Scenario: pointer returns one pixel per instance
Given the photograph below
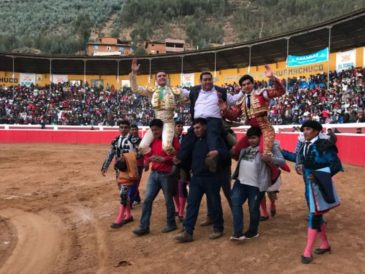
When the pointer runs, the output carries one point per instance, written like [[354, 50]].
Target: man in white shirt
[[204, 104]]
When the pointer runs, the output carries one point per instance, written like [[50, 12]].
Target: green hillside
[[60, 26], [53, 26]]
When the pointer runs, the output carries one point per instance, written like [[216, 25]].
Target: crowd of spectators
[[309, 98], [71, 105], [62, 104]]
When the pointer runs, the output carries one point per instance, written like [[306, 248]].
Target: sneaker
[[184, 237], [136, 203], [215, 235], [141, 231], [250, 235], [115, 225], [306, 260], [126, 221], [264, 218], [321, 251], [169, 228], [237, 237]]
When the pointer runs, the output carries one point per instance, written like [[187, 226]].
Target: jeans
[[214, 132], [241, 193], [225, 179], [210, 185], [157, 181]]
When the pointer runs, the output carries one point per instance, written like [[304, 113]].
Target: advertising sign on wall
[[316, 57], [345, 60]]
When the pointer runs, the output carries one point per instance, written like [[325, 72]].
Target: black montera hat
[[312, 124]]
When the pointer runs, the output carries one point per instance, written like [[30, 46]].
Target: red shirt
[[156, 149], [325, 114]]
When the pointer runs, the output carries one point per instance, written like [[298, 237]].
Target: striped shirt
[[120, 145]]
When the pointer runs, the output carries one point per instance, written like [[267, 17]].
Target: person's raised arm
[[133, 80], [278, 89]]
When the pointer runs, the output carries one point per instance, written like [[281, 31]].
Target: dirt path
[[56, 210], [36, 234]]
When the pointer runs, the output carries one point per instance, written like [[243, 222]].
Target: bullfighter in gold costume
[[163, 103]]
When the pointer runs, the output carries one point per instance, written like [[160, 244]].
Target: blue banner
[[317, 57]]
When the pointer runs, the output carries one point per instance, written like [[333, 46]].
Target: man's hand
[[213, 154], [176, 161], [267, 158], [135, 66], [268, 73], [259, 91]]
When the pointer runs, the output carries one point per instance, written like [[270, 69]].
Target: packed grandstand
[[65, 104], [330, 90], [64, 119]]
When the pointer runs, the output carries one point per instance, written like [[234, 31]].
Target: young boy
[[252, 177]]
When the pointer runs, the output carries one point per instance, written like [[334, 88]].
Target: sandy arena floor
[[56, 210]]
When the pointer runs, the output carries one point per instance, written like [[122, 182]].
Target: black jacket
[[199, 154]]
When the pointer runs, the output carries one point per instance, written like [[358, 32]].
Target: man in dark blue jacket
[[204, 181]]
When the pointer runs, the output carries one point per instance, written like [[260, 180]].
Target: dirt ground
[[56, 210]]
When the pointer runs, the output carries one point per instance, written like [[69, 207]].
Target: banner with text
[[345, 60], [27, 79], [59, 78], [187, 80], [299, 71], [126, 83], [316, 57]]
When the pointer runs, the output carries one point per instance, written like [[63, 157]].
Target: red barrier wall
[[57, 136], [351, 147]]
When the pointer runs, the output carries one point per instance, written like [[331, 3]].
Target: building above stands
[[155, 47], [109, 46], [168, 46], [174, 45]]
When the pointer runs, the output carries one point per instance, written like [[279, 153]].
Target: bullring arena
[[56, 208]]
